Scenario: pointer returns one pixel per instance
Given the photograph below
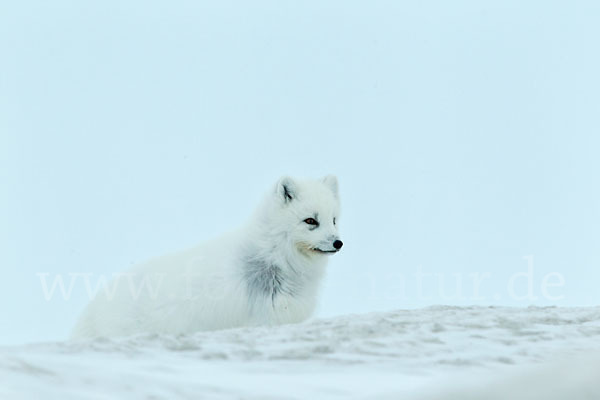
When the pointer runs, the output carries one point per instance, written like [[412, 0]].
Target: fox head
[[307, 211]]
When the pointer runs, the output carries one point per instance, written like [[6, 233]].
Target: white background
[[464, 135]]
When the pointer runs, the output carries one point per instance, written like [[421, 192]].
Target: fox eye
[[334, 221], [311, 221]]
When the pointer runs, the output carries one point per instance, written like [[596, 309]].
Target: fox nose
[[338, 244]]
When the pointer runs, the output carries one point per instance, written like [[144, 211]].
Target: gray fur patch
[[264, 279]]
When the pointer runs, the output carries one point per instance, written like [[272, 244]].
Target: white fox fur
[[267, 272]]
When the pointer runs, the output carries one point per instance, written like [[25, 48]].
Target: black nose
[[338, 244]]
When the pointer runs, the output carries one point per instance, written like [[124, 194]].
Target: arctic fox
[[265, 273]]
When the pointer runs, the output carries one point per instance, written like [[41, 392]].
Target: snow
[[426, 354]]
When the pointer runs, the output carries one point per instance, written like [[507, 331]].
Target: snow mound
[[432, 353]]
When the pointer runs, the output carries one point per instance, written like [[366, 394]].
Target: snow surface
[[427, 354]]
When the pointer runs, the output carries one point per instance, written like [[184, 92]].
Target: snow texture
[[427, 354]]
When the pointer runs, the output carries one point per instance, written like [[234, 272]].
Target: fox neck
[[273, 266]]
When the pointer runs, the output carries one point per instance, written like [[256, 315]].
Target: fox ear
[[332, 182], [286, 189]]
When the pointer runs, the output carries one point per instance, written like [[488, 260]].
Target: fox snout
[[328, 247]]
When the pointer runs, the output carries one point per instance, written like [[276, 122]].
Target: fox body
[[265, 273]]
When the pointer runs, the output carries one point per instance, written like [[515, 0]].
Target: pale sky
[[465, 136]]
